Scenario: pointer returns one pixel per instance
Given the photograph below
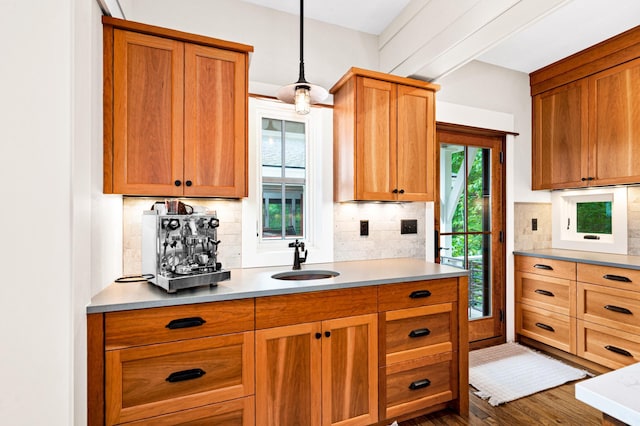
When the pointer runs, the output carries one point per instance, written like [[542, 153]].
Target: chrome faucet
[[297, 260]]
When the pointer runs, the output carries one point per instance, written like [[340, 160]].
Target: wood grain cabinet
[[545, 295], [312, 372], [586, 117], [420, 369], [175, 111], [160, 361], [608, 315], [384, 137]]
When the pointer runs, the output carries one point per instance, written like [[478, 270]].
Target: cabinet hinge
[[501, 157]]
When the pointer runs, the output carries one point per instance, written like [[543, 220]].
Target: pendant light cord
[[301, 78]]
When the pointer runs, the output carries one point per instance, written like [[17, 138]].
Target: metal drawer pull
[[618, 309], [618, 350], [541, 266], [418, 294], [181, 376], [544, 326], [616, 278], [419, 384], [185, 323], [420, 332], [545, 293]]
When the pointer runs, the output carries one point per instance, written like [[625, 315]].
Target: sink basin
[[305, 275]]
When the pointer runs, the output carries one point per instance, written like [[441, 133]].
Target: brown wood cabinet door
[[350, 371], [215, 107], [416, 144], [288, 375], [560, 140], [148, 75], [614, 117], [375, 140]]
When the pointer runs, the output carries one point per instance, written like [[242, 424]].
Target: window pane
[[295, 150], [294, 210], [271, 147], [594, 217], [479, 190], [480, 276], [272, 211]]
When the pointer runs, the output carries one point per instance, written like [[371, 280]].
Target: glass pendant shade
[[302, 100]]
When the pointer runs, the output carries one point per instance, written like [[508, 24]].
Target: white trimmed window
[[290, 184]]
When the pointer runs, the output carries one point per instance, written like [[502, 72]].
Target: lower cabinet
[[320, 373], [348, 357]]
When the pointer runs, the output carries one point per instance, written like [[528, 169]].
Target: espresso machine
[[180, 250]]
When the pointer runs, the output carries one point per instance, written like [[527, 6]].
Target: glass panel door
[[470, 225]]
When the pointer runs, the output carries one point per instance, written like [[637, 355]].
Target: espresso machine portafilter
[[181, 251]]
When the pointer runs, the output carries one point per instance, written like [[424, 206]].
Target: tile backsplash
[[525, 238], [384, 239]]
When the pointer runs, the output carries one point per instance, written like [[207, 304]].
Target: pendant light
[[302, 93]]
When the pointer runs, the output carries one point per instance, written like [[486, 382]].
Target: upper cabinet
[[384, 138], [175, 112], [586, 117]]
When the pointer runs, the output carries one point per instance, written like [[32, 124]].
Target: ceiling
[[547, 37]]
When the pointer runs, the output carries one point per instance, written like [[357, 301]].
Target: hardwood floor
[[551, 407]]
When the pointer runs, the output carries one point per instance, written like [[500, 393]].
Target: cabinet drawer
[[548, 267], [418, 384], [607, 346], [159, 325], [547, 327], [608, 306], [418, 332], [239, 412], [625, 279], [276, 311], [554, 294], [159, 379], [417, 293]]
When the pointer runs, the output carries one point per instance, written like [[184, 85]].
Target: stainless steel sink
[[305, 275]]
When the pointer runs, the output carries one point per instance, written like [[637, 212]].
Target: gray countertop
[[594, 258], [257, 282]]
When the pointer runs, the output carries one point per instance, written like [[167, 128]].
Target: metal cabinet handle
[[419, 384], [181, 376], [420, 332], [618, 309], [616, 278], [545, 327], [419, 294], [185, 323], [542, 266], [618, 350], [545, 293]]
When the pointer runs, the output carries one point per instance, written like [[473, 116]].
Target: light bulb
[[302, 100]]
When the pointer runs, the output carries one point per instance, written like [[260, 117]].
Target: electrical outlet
[[409, 226], [364, 228], [534, 224]]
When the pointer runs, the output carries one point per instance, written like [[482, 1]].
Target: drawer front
[[418, 384], [608, 306], [554, 294], [547, 327], [159, 325], [624, 279], [239, 412], [159, 379], [418, 332], [548, 267], [417, 293], [606, 346], [276, 311]]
